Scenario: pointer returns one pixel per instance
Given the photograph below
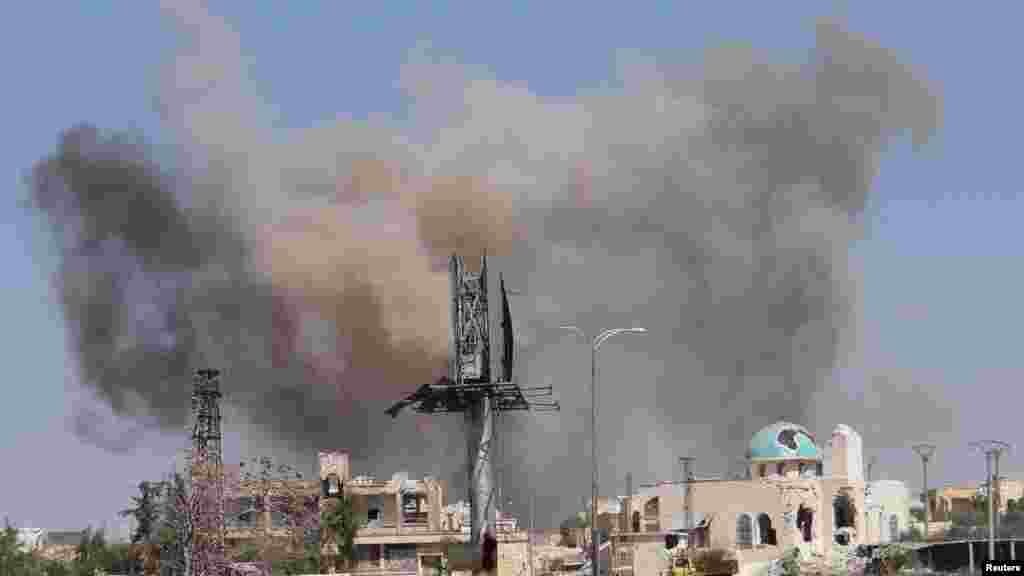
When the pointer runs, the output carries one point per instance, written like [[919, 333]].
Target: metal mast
[[925, 451], [480, 383], [992, 449], [206, 501]]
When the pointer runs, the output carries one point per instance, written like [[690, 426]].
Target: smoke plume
[[713, 206]]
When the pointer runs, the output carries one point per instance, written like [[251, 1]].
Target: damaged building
[[795, 494], [405, 525]]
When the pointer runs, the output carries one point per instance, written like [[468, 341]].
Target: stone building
[[888, 510], [796, 494], [400, 519]]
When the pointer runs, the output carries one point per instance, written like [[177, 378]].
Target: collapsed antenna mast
[[480, 382], [206, 502]]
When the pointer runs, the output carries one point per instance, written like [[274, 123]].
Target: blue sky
[[942, 257]]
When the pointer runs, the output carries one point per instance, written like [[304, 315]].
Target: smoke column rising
[[713, 206]]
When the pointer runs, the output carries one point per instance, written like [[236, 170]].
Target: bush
[[790, 562], [912, 534], [893, 558], [715, 561]]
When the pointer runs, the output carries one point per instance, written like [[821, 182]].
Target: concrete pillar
[[398, 509], [480, 424], [970, 556], [1013, 550]]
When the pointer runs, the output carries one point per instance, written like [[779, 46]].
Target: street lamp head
[[990, 446], [925, 451]]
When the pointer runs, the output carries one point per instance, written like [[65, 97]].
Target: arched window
[[652, 515], [636, 521], [762, 471], [805, 523], [894, 528], [780, 468], [765, 532], [744, 531]]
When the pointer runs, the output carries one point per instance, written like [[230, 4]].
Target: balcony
[[416, 521], [378, 528]]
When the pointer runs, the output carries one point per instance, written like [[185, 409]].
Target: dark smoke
[[719, 211]]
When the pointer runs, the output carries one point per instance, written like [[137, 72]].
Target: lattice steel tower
[[480, 382], [207, 477]]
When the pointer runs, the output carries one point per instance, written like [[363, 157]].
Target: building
[[404, 529], [888, 510], [248, 517], [951, 501], [797, 494]]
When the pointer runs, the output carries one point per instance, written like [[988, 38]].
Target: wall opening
[[765, 531], [652, 515], [636, 521], [804, 523], [844, 514], [744, 531]]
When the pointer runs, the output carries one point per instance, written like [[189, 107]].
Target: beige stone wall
[[335, 462], [724, 501], [513, 559]]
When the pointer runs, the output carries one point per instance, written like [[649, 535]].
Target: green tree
[[92, 555], [14, 560], [338, 529], [174, 528], [146, 513]]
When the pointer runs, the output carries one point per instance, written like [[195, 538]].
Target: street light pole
[[992, 450], [595, 344], [925, 451]]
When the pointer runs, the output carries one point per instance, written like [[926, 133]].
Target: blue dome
[[784, 440]]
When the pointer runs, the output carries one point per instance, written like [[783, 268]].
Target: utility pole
[[992, 449], [867, 494], [529, 533], [595, 344], [925, 451]]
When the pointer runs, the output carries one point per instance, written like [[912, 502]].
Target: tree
[[92, 555], [279, 491], [13, 560], [146, 513], [338, 529], [174, 529]]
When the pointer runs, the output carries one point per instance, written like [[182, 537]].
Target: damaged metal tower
[[206, 501], [480, 382]]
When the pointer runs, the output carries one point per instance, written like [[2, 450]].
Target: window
[[819, 469], [651, 516], [636, 521], [762, 471], [765, 532], [805, 523], [844, 511], [780, 468], [802, 468], [332, 485], [744, 531], [241, 513]]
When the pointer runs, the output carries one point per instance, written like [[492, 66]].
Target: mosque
[[796, 493]]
